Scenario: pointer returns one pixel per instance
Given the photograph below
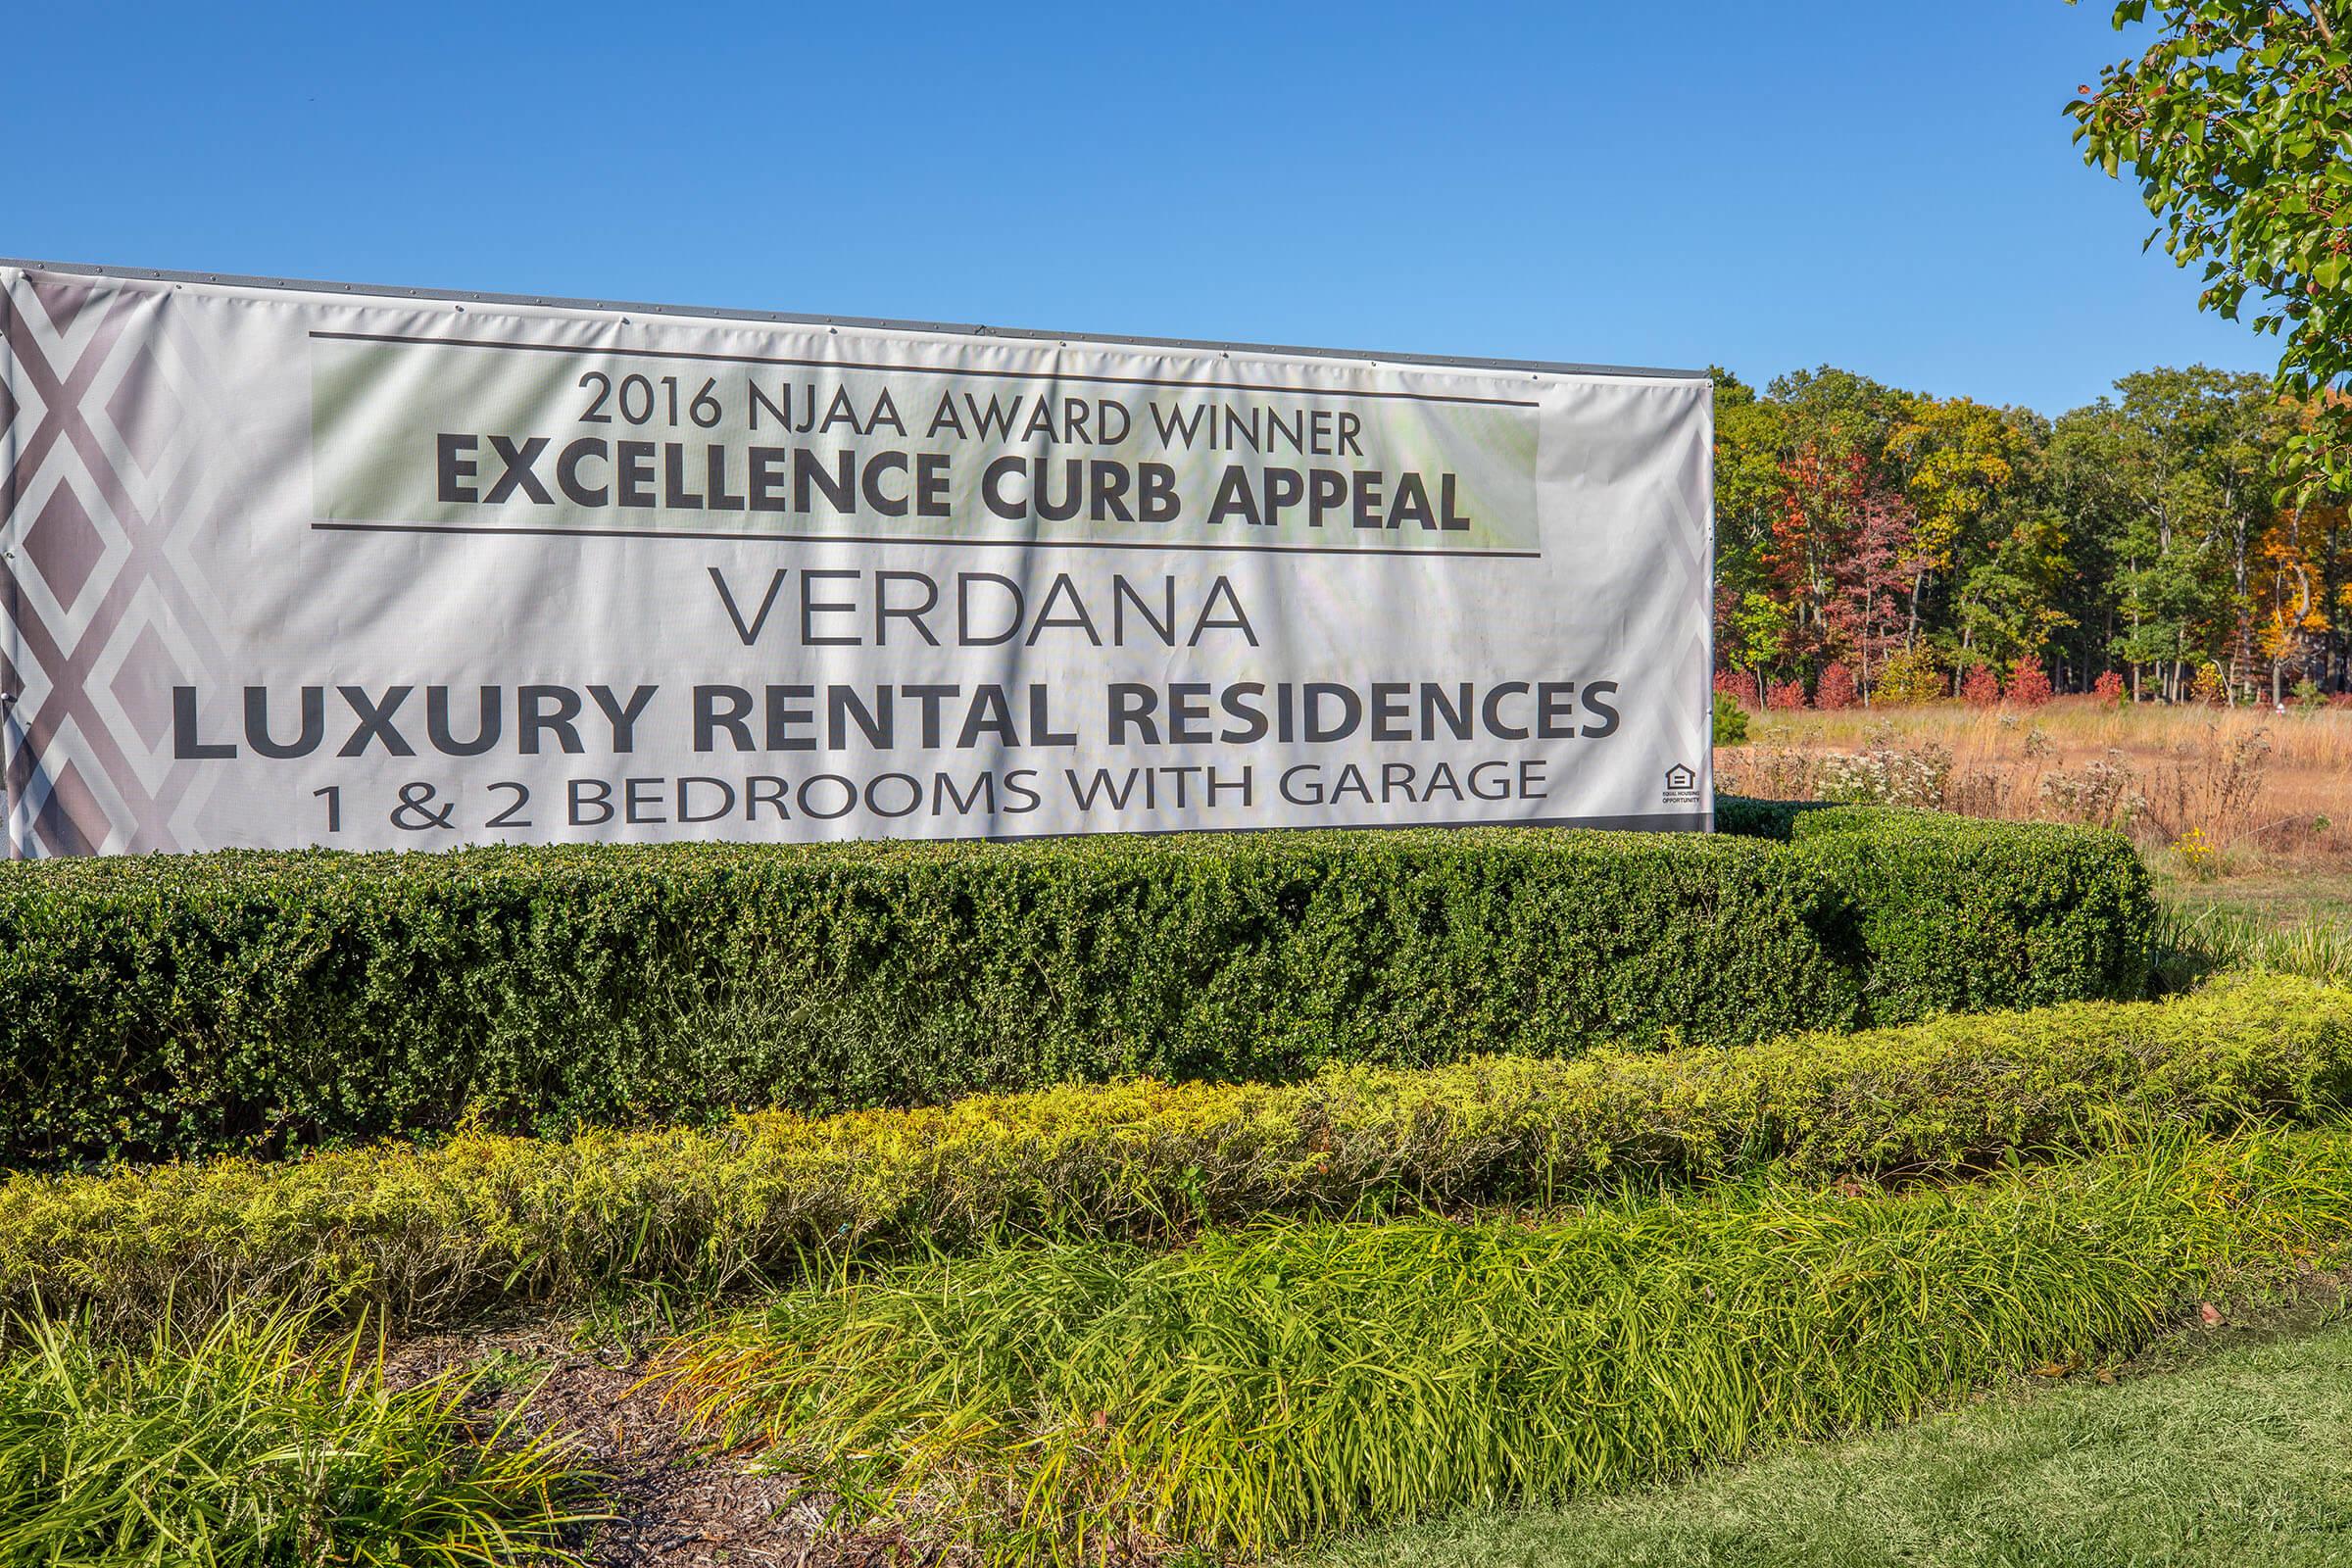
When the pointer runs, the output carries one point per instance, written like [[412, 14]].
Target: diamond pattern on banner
[[72, 550], [83, 814], [64, 545], [25, 409], [144, 421], [101, 618], [54, 325], [143, 410], [130, 683]]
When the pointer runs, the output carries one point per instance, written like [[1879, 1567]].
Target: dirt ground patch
[[675, 1503]]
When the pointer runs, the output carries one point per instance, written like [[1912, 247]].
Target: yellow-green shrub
[[429, 1233]]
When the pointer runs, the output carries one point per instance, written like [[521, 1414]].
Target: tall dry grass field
[[2212, 790]]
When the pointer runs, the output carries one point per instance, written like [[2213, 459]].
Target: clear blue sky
[[1887, 187]]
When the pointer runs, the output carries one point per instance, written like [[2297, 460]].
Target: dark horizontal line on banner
[[907, 370], [1629, 822], [1658, 822], [707, 534]]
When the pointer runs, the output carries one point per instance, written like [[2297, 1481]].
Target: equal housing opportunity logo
[[1681, 787]]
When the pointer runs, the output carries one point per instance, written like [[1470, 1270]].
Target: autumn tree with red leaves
[[1819, 505]]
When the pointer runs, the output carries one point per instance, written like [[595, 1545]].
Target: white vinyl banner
[[284, 564]]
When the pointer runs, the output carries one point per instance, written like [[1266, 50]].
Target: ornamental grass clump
[[2192, 942], [1276, 1383], [432, 1234], [245, 1445]]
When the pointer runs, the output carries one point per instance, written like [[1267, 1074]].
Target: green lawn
[[2276, 895], [2236, 1456]]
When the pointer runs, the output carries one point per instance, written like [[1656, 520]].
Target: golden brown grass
[[2217, 789]]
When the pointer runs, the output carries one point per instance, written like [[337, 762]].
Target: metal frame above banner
[[1365, 356]]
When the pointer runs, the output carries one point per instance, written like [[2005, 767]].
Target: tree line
[[1880, 544]]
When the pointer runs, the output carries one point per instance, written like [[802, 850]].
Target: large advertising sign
[[295, 564]]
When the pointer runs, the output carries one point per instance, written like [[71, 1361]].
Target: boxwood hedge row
[[153, 1007], [1962, 915]]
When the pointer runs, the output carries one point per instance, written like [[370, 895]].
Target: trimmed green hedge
[[1959, 914], [167, 1006]]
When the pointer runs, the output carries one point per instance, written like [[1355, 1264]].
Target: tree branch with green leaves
[[2237, 123]]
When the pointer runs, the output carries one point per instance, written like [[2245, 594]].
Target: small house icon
[[1680, 778]]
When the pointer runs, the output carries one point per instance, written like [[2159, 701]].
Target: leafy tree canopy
[[2237, 123]]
